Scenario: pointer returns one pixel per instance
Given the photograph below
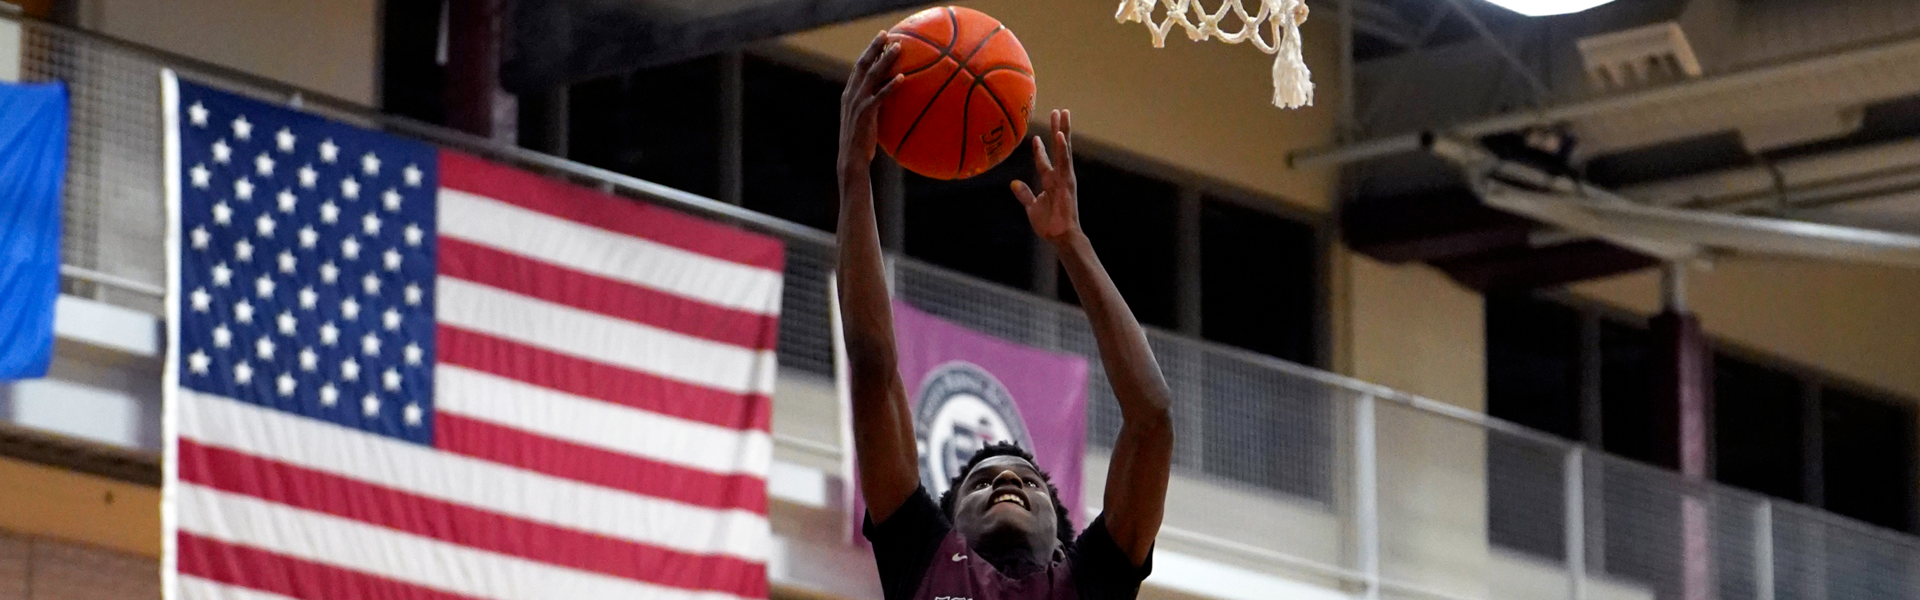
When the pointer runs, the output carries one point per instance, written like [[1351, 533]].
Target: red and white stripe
[[602, 410]]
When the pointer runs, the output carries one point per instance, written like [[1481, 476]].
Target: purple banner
[[969, 389]]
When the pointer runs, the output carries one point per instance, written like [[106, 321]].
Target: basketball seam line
[[947, 54], [980, 79], [958, 67]]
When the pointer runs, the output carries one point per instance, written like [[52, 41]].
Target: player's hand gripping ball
[[966, 91]]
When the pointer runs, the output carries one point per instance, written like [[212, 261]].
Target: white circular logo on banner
[[962, 409]]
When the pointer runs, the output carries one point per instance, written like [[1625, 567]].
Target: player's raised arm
[[882, 422], [1136, 492]]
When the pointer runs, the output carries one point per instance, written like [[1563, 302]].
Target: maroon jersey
[[922, 557]]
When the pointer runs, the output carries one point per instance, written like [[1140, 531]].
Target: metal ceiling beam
[[1388, 145], [1675, 235], [1540, 91]]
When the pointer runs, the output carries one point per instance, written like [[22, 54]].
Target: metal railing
[[1281, 466]]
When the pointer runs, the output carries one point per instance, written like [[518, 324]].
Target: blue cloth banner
[[33, 162]]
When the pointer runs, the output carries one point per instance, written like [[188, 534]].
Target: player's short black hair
[[1064, 528]]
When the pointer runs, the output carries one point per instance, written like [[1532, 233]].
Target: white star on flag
[[202, 301], [329, 213], [350, 248], [222, 337], [391, 379], [413, 414], [391, 259], [391, 319], [329, 395], [198, 114], [287, 200], [413, 353], [285, 383], [392, 200], [264, 348], [201, 176], [413, 294], [200, 237], [222, 214], [308, 237], [414, 234], [370, 283], [243, 311], [264, 225], [287, 261], [222, 153], [350, 309], [309, 177], [288, 324], [263, 286], [243, 189], [198, 361], [370, 164], [243, 250], [329, 273], [349, 188], [370, 405], [370, 344], [329, 335], [242, 130], [350, 369], [222, 275], [243, 373], [308, 298], [285, 139], [412, 175], [309, 360], [328, 151], [263, 165], [370, 224]]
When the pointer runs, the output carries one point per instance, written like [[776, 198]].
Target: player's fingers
[[1062, 153], [871, 103], [1023, 193], [1041, 164], [861, 67], [876, 74]]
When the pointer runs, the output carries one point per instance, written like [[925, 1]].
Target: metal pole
[[1763, 551], [1573, 474], [1366, 493], [1186, 274]]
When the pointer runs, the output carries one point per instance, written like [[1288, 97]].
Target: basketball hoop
[[1292, 82]]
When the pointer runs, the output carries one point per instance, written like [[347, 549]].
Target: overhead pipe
[[1340, 154]]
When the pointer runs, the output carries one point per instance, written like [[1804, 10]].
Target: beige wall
[[329, 46], [58, 503], [1201, 107], [1413, 329], [1858, 322]]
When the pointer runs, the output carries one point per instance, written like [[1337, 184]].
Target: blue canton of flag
[[306, 264]]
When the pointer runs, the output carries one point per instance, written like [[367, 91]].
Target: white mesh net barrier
[[1280, 20]]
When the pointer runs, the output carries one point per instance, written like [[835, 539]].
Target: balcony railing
[[1279, 467]]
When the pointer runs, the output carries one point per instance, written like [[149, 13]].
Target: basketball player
[[1000, 533]]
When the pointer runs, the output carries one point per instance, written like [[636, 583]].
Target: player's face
[[1003, 503]]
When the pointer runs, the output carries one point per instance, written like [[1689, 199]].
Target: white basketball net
[[1292, 82]]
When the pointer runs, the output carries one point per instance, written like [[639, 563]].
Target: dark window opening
[[792, 144], [1258, 276], [1757, 428], [660, 124], [1131, 220], [974, 225]]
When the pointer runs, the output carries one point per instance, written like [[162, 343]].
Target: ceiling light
[[1542, 8]]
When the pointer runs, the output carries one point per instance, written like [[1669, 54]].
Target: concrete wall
[[330, 46]]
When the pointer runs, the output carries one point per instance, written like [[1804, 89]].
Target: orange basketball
[[963, 105]]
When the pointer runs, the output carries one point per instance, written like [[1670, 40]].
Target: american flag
[[403, 372]]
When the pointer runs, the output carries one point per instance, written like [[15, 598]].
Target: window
[[1626, 391], [1259, 277], [1868, 457], [974, 225], [792, 144], [1533, 363], [660, 124], [1131, 220], [1757, 428]]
